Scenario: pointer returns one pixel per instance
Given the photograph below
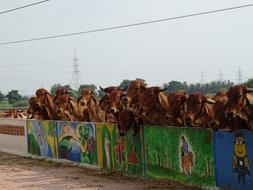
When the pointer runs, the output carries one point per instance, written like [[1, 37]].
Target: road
[[19, 173]]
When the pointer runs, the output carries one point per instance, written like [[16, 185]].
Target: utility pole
[[75, 78], [239, 75]]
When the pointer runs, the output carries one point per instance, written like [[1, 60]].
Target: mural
[[41, 138], [77, 142], [116, 153], [234, 159], [106, 142], [134, 153], [184, 154]]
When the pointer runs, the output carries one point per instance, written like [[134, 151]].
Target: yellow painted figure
[[240, 159]]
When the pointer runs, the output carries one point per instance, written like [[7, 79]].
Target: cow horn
[[210, 101], [102, 89]]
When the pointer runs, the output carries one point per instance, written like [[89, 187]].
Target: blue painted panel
[[234, 159]]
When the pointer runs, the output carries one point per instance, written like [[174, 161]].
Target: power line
[[22, 7], [125, 26]]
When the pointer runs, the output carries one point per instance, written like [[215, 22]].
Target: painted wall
[[41, 138], [190, 155], [77, 142], [184, 154], [234, 159]]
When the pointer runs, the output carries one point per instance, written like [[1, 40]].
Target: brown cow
[[239, 109], [15, 114], [91, 106], [219, 120], [34, 111], [154, 106], [199, 110], [67, 109], [134, 92], [177, 106], [45, 104]]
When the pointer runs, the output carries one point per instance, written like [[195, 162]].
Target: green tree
[[13, 96], [1, 97], [249, 83], [125, 84], [173, 86]]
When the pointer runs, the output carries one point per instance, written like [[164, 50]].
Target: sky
[[160, 52]]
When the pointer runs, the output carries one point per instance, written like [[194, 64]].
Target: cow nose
[[122, 133], [82, 103], [58, 111], [188, 121], [113, 110]]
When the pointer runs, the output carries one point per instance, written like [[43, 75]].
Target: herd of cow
[[140, 104]]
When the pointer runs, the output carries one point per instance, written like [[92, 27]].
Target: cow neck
[[49, 106]]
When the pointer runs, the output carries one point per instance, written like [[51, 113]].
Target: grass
[[155, 172]]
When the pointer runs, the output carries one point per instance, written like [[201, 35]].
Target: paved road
[[17, 173]]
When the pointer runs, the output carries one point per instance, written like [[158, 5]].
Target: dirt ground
[[19, 173]]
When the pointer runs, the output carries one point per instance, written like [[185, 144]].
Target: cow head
[[198, 112], [115, 100], [177, 107], [64, 107], [150, 101], [135, 89], [239, 102], [86, 95]]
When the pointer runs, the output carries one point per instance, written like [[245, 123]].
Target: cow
[[134, 92], [59, 92], [67, 109], [154, 106], [177, 106], [219, 120], [15, 114], [239, 109], [104, 101], [92, 109], [45, 104], [34, 111], [199, 110]]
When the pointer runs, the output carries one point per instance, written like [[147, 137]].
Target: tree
[[249, 83], [173, 86], [13, 96], [125, 84], [1, 97]]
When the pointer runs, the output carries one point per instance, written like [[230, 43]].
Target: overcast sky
[[158, 53]]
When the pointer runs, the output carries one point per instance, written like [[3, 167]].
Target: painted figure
[[187, 158], [240, 159], [119, 149], [132, 157], [107, 150]]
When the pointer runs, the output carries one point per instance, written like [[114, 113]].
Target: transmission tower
[[239, 76], [221, 76], [75, 78]]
